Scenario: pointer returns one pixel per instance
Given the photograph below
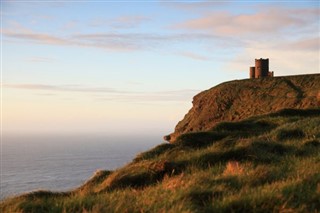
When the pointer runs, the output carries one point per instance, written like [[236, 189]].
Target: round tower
[[252, 72], [262, 68]]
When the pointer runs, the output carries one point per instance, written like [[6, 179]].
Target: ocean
[[61, 163]]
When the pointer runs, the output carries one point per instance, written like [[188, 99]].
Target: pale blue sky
[[134, 66]]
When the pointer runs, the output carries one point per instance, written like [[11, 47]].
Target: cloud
[[63, 88], [40, 38], [135, 83], [194, 56], [144, 97], [215, 32], [40, 59], [120, 22], [70, 25], [140, 41], [284, 59], [47, 94], [308, 44], [192, 6], [145, 36], [110, 94], [262, 22], [288, 36], [117, 41]]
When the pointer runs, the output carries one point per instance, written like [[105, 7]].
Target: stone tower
[[252, 72], [261, 69]]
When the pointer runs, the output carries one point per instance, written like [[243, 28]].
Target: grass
[[289, 134], [268, 163]]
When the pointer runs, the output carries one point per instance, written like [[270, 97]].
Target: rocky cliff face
[[236, 100]]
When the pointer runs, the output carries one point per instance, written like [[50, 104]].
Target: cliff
[[263, 163], [236, 100]]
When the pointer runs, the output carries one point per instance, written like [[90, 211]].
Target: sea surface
[[61, 163]]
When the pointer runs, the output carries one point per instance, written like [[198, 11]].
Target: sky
[[132, 67]]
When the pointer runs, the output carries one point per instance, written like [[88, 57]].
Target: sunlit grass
[[267, 163]]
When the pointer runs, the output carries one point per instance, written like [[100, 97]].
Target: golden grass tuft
[[171, 183], [233, 168]]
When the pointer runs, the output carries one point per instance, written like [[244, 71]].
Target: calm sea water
[[61, 163]]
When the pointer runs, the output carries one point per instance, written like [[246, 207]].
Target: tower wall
[[262, 68], [270, 74], [252, 72]]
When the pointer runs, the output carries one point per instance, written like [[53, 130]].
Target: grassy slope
[[261, 164]]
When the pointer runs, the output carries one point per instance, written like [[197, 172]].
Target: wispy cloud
[[40, 59], [116, 41], [268, 22], [194, 56], [40, 38], [120, 22], [287, 58], [76, 40], [289, 36], [144, 97], [47, 94], [192, 6], [63, 88], [141, 41], [109, 94], [70, 25], [136, 83], [308, 44]]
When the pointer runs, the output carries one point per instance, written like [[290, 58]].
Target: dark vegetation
[[267, 163]]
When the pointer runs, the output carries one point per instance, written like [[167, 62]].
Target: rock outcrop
[[239, 99]]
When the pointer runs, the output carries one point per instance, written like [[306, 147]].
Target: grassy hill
[[265, 163]]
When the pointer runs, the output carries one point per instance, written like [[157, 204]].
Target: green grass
[[268, 163]]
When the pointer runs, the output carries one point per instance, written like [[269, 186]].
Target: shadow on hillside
[[258, 152], [296, 112]]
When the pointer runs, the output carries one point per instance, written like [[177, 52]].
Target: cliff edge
[[239, 99], [233, 167]]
